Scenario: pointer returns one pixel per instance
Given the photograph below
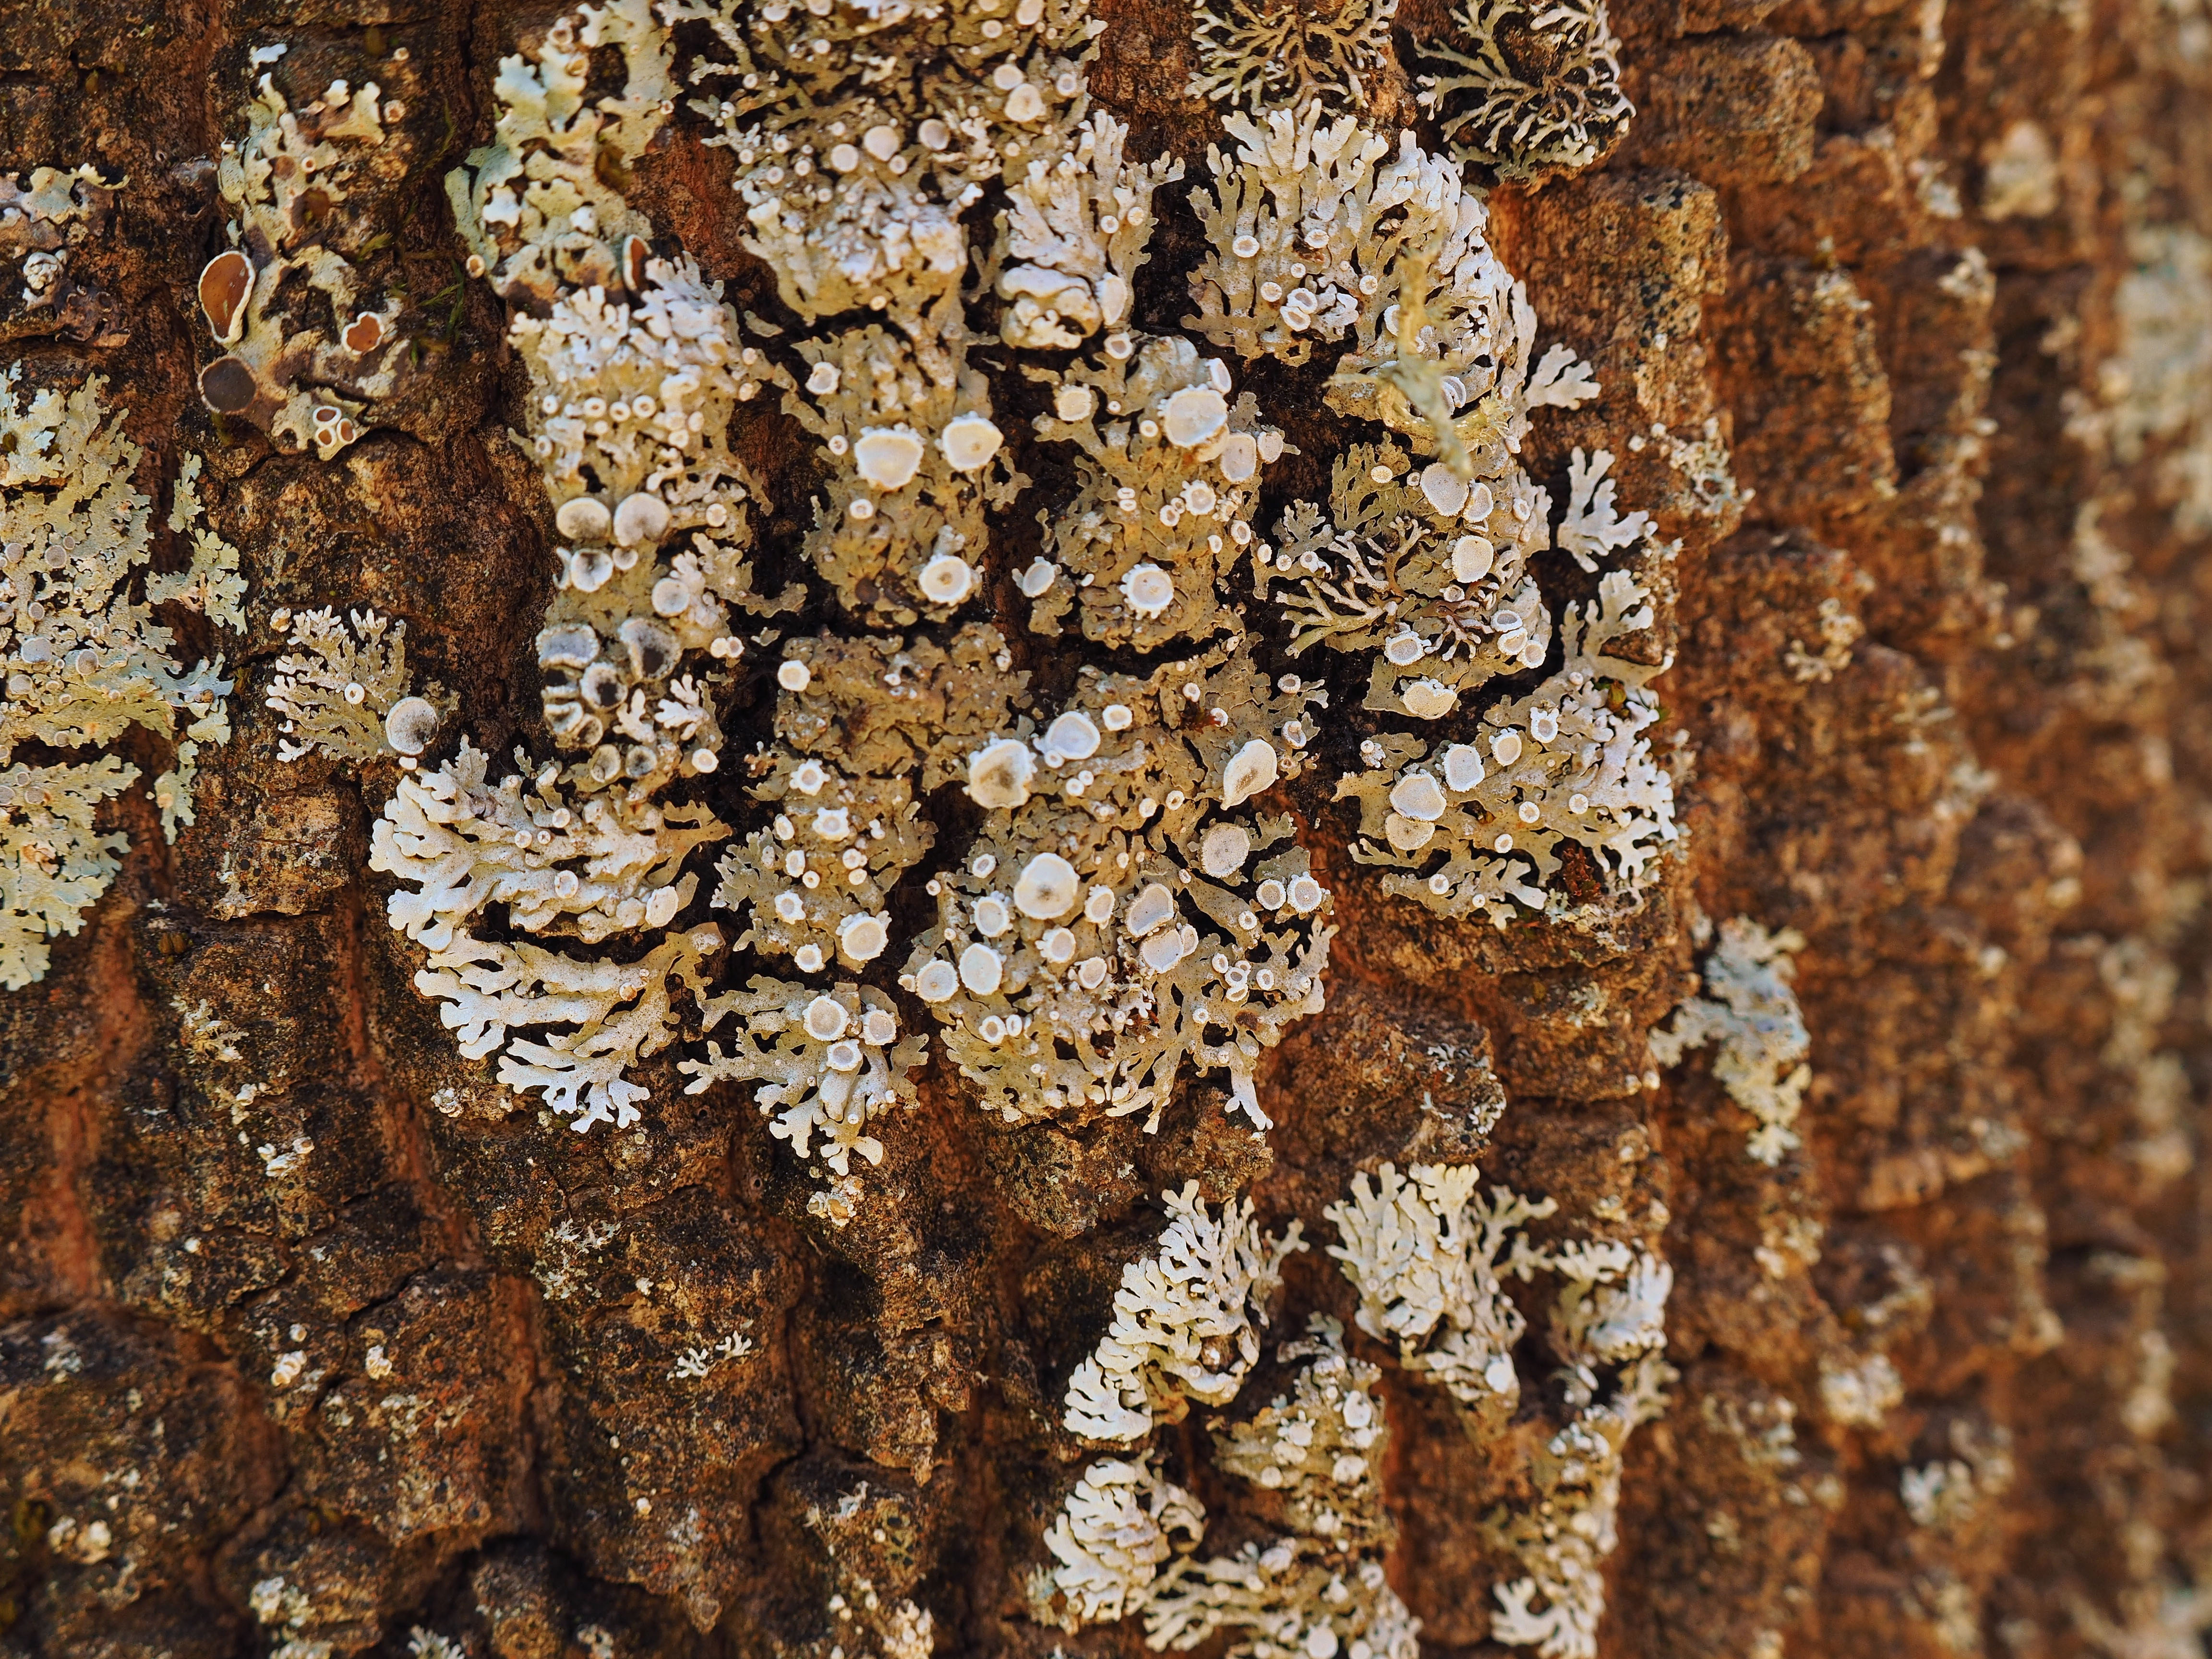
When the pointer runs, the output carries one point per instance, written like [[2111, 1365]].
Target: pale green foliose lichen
[[344, 689], [1067, 966], [1168, 470], [83, 660], [861, 132], [1422, 574], [1569, 762], [1429, 1259], [829, 1063]]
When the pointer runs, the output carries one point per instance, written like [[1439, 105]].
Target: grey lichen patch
[[1289, 53], [815, 880], [343, 689], [1568, 762], [1169, 475], [1318, 239], [635, 370], [1536, 93], [878, 707], [633, 394], [1321, 1447], [1321, 237], [583, 867], [1073, 235], [862, 132], [1430, 1257], [917, 466], [83, 660], [599, 1018], [1186, 1320], [1749, 1014], [586, 869], [1425, 575], [1592, 530], [829, 1063], [1608, 1331], [534, 205], [1067, 966], [1293, 209], [1123, 1522], [308, 348]]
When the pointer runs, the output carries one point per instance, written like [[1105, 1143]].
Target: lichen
[[1607, 1329], [1186, 1321], [1567, 763], [210, 584], [1292, 52], [1065, 966], [917, 466], [585, 868], [1320, 235], [53, 865], [560, 866], [861, 724], [1167, 478], [635, 373], [344, 689], [1592, 530], [1429, 1259], [1536, 95], [1426, 575], [914, 109], [308, 349], [83, 660], [637, 369], [1298, 190], [44, 222], [1123, 1522], [600, 1018], [536, 205], [829, 1063], [1322, 1589], [1124, 911], [1072, 237], [1749, 1013]]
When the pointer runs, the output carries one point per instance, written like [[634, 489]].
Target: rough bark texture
[[1992, 826]]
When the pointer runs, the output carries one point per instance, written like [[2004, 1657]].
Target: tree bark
[[1902, 317]]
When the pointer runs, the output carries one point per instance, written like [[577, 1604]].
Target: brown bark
[[1991, 828]]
